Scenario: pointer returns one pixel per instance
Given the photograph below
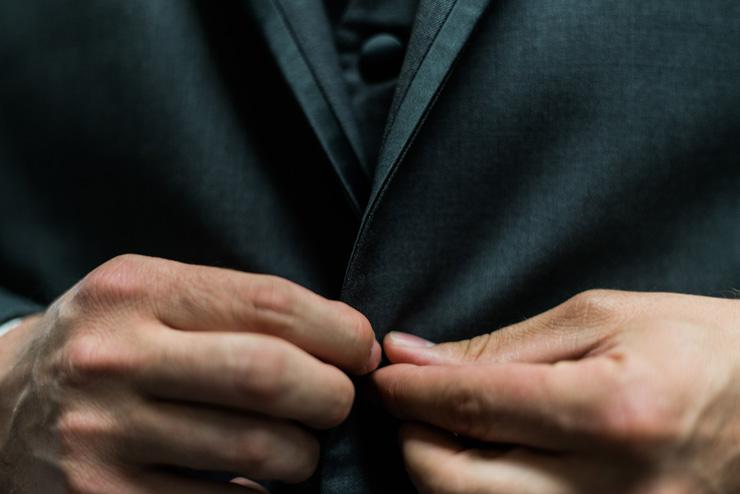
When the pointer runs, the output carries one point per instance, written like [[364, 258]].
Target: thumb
[[578, 327], [503, 346], [407, 348]]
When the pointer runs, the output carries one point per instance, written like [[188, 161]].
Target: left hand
[[611, 393]]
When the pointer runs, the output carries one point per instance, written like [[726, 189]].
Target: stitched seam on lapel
[[386, 182], [372, 208], [296, 39], [423, 58], [355, 201]]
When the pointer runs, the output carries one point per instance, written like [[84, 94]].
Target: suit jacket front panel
[[160, 128], [575, 145]]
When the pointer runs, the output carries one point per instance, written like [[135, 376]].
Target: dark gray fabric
[[569, 145], [439, 34], [575, 145], [300, 37], [157, 127]]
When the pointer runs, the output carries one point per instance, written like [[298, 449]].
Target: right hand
[[148, 363]]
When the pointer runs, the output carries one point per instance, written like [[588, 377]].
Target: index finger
[[221, 299], [546, 406], [203, 298]]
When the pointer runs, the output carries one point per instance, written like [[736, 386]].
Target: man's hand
[[610, 393], [149, 364]]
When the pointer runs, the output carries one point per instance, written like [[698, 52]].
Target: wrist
[[12, 344], [13, 335], [10, 325]]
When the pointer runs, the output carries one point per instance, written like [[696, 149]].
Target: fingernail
[[408, 340]]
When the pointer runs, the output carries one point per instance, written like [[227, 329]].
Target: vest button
[[381, 57]]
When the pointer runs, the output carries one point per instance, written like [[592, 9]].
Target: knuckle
[[259, 453], [362, 328], [65, 314], [263, 375], [78, 432], [306, 462], [85, 479], [86, 358], [359, 327], [639, 421], [466, 411], [117, 280], [591, 307], [341, 401], [637, 417], [392, 396], [273, 294], [476, 348], [255, 450]]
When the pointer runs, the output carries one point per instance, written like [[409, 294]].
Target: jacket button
[[381, 57]]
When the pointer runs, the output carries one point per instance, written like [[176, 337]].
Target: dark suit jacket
[[534, 149]]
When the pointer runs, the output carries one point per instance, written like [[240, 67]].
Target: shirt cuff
[[10, 325]]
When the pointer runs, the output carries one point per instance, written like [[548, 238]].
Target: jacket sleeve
[[12, 306]]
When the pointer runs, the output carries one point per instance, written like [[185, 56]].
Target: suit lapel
[[300, 37], [441, 29], [440, 32]]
